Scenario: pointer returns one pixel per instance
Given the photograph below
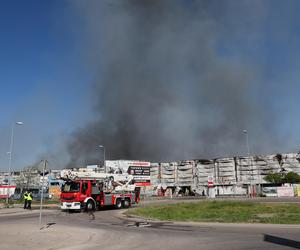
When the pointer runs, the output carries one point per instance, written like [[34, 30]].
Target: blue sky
[[45, 80]]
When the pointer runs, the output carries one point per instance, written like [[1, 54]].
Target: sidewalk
[[18, 208]]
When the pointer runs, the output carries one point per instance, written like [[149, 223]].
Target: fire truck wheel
[[126, 203], [89, 206], [118, 203]]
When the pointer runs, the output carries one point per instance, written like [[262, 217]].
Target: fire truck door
[[84, 189]]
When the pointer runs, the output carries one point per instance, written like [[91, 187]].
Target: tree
[[279, 178], [292, 177], [26, 177], [275, 178]]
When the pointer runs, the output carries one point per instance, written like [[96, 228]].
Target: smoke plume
[[163, 89]]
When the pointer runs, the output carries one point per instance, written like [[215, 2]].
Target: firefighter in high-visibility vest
[[29, 200], [25, 196]]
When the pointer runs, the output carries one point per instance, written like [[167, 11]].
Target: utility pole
[[249, 160], [101, 146], [10, 157]]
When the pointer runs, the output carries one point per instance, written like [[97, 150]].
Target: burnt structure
[[231, 175]]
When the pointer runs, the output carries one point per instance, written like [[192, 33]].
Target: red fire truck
[[91, 190]]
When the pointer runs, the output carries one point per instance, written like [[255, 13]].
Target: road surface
[[109, 229]]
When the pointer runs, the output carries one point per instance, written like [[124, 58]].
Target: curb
[[134, 218]]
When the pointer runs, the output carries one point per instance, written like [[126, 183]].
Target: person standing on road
[[29, 200], [25, 197]]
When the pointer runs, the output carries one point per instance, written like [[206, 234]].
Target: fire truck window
[[70, 187]]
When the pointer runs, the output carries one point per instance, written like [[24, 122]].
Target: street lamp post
[[10, 155], [42, 192], [101, 146], [248, 153]]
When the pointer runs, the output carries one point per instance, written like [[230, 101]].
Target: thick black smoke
[[163, 90]]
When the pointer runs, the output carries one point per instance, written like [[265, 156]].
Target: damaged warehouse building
[[224, 176], [231, 176]]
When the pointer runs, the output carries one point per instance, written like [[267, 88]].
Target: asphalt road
[[109, 229]]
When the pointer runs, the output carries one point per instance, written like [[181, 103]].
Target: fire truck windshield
[[71, 187]]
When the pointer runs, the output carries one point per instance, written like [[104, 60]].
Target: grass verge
[[224, 211]]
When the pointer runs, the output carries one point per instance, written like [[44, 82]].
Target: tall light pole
[[42, 191], [248, 153], [101, 146], [10, 155]]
